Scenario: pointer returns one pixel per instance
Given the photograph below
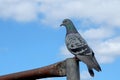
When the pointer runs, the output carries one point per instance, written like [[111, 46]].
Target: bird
[[77, 45]]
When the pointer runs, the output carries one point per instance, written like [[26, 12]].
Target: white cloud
[[105, 46], [109, 46], [105, 42], [108, 50], [98, 11], [20, 10], [105, 59], [98, 33]]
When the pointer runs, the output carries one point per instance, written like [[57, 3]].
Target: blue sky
[[30, 35]]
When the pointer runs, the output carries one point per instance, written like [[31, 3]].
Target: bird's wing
[[90, 61], [77, 45]]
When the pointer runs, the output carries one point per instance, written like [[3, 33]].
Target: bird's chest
[[76, 44], [72, 41]]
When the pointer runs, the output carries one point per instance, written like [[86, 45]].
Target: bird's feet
[[76, 58]]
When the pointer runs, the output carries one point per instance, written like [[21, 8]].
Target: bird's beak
[[62, 24]]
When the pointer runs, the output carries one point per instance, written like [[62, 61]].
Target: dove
[[78, 46]]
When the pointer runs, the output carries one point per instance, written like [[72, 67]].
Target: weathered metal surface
[[68, 67], [54, 70], [72, 69]]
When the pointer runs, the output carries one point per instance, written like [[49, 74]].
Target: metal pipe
[[72, 69], [54, 70], [69, 67]]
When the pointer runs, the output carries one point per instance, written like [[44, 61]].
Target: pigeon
[[79, 47]]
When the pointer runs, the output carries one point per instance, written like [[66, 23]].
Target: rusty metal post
[[55, 70], [69, 67], [72, 69]]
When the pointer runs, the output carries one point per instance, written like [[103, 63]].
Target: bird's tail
[[96, 65], [91, 71], [91, 63]]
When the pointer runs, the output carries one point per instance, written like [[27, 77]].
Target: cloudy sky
[[31, 36]]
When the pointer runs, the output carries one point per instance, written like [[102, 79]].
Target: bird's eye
[[64, 21]]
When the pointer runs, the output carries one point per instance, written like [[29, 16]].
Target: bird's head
[[69, 26], [66, 22]]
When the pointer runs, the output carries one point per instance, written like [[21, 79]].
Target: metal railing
[[68, 68]]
